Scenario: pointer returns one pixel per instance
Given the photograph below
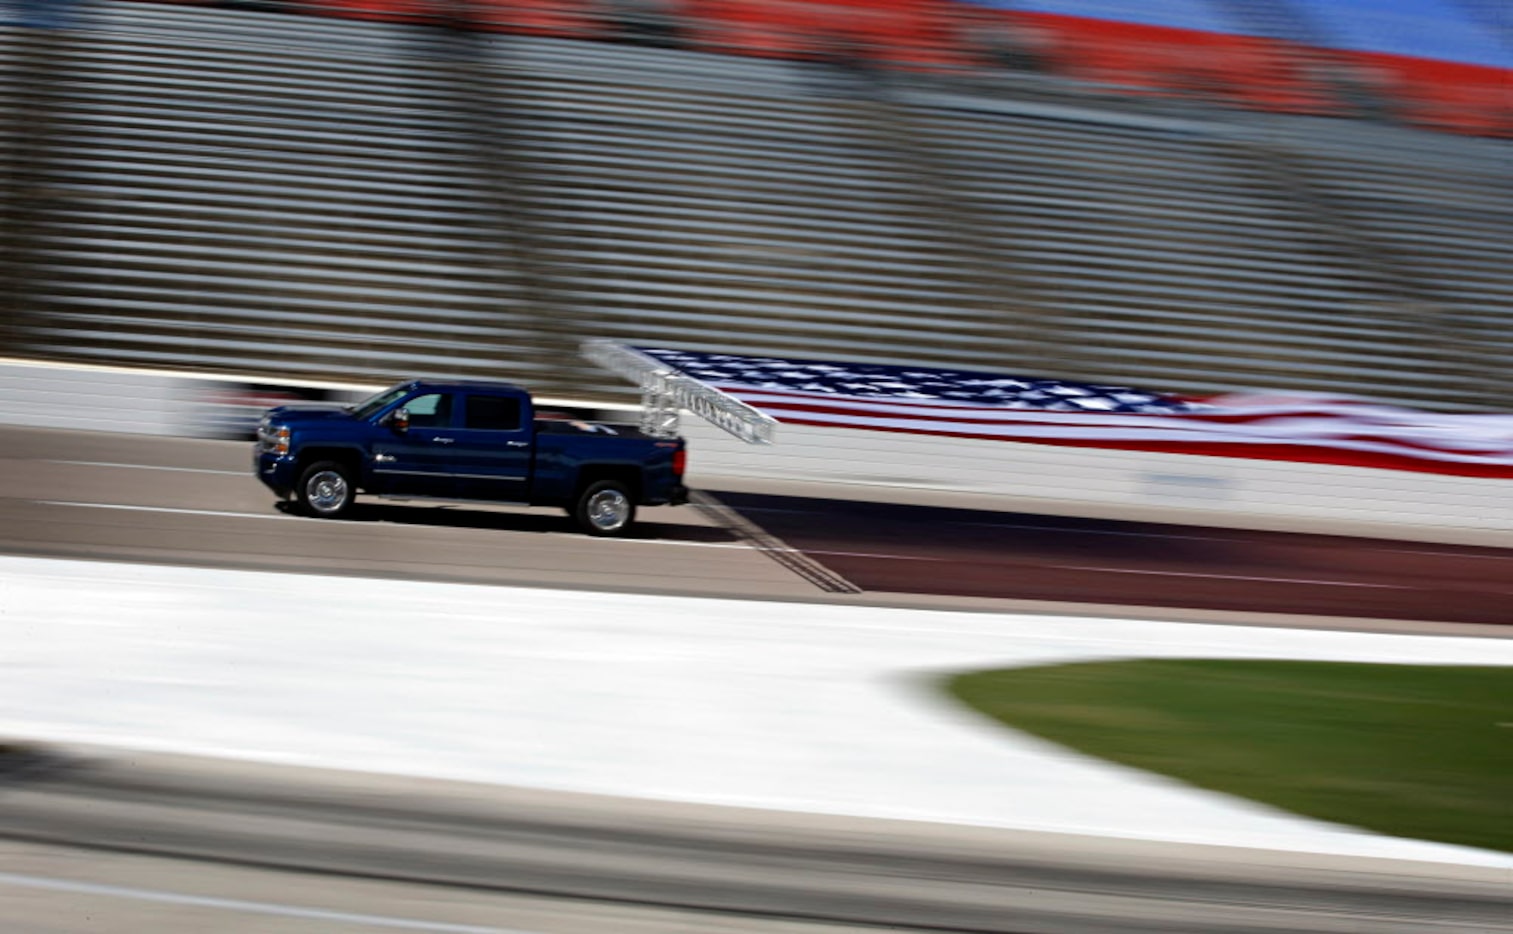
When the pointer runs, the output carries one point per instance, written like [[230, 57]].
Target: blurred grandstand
[[1192, 195]]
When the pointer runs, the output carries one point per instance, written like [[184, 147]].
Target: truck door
[[492, 454], [419, 461]]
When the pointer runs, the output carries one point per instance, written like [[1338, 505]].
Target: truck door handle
[[443, 440], [517, 444]]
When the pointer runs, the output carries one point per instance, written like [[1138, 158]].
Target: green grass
[[1408, 750]]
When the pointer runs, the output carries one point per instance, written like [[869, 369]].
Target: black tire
[[326, 489], [605, 508]]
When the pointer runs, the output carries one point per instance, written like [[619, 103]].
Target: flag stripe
[[1276, 451]]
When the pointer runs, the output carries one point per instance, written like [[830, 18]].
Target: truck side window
[[433, 410], [492, 413]]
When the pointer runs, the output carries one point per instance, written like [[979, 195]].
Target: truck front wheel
[[325, 489], [605, 508]]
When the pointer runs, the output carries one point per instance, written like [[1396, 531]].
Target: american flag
[[966, 404]]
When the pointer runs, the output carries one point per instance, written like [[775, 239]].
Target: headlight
[[273, 439]]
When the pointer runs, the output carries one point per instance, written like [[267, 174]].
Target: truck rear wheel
[[326, 489], [605, 508]]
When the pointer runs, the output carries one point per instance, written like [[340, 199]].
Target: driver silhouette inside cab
[[431, 411]]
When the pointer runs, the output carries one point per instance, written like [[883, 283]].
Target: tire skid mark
[[770, 545]]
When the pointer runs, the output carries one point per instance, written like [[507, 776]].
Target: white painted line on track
[[1229, 577], [870, 554], [1035, 527], [257, 515], [741, 546], [232, 904], [170, 509], [1451, 554], [1236, 538], [114, 465]]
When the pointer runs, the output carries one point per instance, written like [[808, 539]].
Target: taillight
[[679, 461]]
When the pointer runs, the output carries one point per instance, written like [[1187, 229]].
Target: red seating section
[[943, 34]]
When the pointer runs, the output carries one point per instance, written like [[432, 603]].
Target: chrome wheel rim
[[326, 491], [608, 510]]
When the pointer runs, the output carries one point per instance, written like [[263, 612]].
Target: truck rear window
[[492, 413]]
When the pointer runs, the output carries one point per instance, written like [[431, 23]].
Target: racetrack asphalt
[[900, 547], [155, 501]]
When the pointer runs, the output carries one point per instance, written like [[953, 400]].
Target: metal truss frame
[[666, 393]]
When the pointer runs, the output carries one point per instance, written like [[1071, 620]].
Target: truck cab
[[479, 440]]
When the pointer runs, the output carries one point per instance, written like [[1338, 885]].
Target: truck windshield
[[372, 404]]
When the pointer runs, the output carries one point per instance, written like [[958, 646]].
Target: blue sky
[[1440, 29]]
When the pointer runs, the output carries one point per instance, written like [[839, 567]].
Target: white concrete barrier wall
[[1178, 488], [87, 399], [1128, 484], [97, 398]]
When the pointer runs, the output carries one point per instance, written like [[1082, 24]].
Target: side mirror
[[399, 420]]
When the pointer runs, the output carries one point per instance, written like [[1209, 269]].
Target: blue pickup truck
[[475, 440]]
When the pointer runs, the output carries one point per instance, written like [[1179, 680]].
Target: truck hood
[[308, 412]]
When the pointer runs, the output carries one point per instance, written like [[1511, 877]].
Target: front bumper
[[276, 472]]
